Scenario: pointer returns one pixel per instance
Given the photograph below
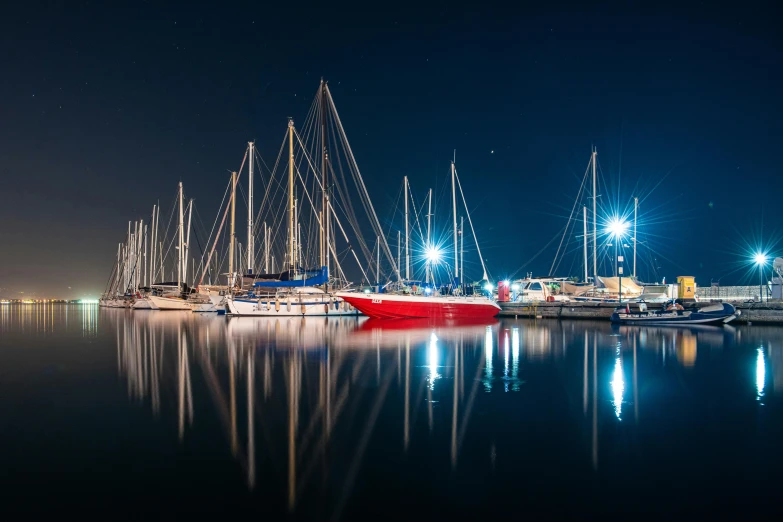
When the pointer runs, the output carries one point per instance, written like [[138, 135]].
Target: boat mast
[[250, 245], [119, 257], [291, 224], [461, 249], [378, 267], [454, 208], [398, 254], [266, 249], [152, 246], [232, 239], [407, 252], [635, 210], [181, 239], [429, 245], [584, 223], [325, 232], [126, 257], [187, 244], [145, 255], [595, 227]]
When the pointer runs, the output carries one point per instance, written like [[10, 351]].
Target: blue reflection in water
[[505, 360], [488, 356], [515, 358], [761, 373], [618, 385], [432, 359]]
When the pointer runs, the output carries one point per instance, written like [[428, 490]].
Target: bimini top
[[310, 278]]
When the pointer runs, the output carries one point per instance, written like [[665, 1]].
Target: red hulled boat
[[402, 306]]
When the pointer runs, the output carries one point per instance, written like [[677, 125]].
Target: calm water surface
[[119, 414]]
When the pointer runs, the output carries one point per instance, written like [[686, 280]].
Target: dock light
[[617, 227], [506, 282], [760, 259], [488, 287], [515, 287], [428, 291], [434, 254]]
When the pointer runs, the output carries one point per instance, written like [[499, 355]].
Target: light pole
[[617, 229], [761, 260]]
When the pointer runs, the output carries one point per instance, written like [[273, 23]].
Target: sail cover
[[612, 284], [310, 278]]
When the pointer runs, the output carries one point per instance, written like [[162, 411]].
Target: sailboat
[[294, 291], [406, 304], [166, 296]]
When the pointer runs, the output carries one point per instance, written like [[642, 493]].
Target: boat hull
[[169, 303], [143, 304], [390, 306], [715, 314], [307, 305], [115, 303]]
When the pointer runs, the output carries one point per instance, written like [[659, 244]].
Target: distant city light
[[88, 301]]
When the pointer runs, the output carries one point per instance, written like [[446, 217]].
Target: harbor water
[[119, 414]]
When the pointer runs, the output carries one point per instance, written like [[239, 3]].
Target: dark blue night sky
[[103, 108]]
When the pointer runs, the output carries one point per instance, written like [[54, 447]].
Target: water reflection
[[45, 319], [618, 385], [761, 374], [308, 412], [432, 359]]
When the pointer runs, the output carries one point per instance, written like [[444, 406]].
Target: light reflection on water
[[298, 404], [761, 374], [618, 385]]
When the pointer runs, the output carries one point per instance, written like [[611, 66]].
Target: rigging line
[[375, 223], [534, 257], [415, 213], [220, 229], [345, 236], [272, 178], [342, 190], [307, 193], [166, 231], [570, 217], [225, 195], [470, 221]]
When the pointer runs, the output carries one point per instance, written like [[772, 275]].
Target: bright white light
[[618, 387], [428, 291], [617, 227], [488, 359], [488, 287], [432, 359], [366, 291], [506, 282], [515, 287], [760, 259], [434, 254], [761, 373]]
